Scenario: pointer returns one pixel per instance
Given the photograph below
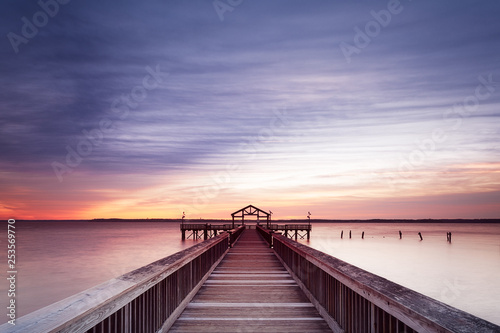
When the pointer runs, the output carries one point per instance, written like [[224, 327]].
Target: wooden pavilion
[[251, 210]]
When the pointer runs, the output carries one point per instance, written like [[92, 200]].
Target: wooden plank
[[256, 293], [260, 304], [250, 291], [282, 326]]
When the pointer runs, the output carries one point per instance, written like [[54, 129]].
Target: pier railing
[[234, 234], [292, 230], [354, 300], [290, 226], [266, 234], [204, 230], [148, 299]]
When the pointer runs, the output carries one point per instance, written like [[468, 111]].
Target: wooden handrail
[[354, 300], [266, 234], [148, 299], [295, 226], [234, 234]]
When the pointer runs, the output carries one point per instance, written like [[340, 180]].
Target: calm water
[[464, 274], [58, 259]]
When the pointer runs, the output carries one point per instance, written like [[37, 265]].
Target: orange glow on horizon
[[440, 207], [456, 191]]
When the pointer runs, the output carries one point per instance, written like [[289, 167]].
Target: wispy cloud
[[348, 126]]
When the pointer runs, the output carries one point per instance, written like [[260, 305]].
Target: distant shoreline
[[283, 221]]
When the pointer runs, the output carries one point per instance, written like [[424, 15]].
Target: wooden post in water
[[182, 226], [363, 235], [309, 225], [342, 234], [400, 234], [420, 235], [349, 234]]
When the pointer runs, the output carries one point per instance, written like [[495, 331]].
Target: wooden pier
[[250, 291], [239, 281], [208, 230], [297, 231], [205, 231]]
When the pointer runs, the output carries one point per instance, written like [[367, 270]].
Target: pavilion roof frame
[[250, 210]]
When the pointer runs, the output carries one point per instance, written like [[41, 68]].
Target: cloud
[[223, 84]]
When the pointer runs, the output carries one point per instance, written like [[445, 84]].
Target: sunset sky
[[346, 109]]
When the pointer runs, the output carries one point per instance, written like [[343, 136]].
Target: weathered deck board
[[250, 291]]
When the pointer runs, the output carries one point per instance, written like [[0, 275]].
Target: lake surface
[[58, 259], [464, 273]]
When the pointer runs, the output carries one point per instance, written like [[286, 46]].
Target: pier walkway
[[250, 291]]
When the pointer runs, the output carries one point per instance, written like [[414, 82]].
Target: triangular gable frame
[[250, 210]]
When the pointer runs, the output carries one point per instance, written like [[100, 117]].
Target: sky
[[345, 109]]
